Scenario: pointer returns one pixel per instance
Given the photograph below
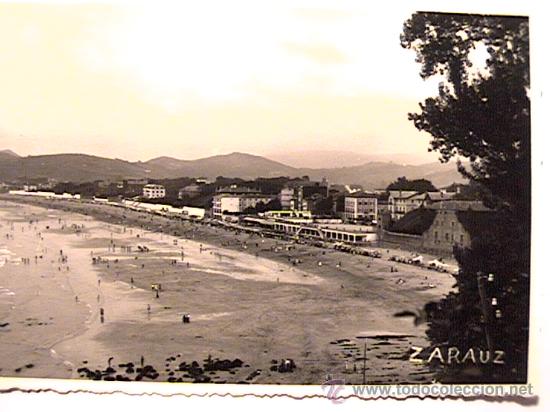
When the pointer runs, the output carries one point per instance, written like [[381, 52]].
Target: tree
[[482, 113], [483, 116], [471, 191], [418, 185], [324, 206], [261, 207], [273, 204]]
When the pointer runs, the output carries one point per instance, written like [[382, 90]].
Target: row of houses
[[161, 209], [165, 210], [359, 205], [400, 202], [431, 221], [447, 224], [393, 203], [303, 195]]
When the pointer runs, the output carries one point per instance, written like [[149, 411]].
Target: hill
[[377, 175], [243, 165], [83, 168], [317, 159], [68, 167], [8, 153]]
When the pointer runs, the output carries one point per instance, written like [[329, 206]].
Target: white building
[[361, 205], [286, 196], [402, 202], [306, 228], [398, 203], [234, 204], [154, 191], [301, 195]]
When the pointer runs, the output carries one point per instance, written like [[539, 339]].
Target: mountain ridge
[[313, 158], [80, 167]]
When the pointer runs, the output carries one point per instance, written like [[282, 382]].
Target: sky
[[137, 80]]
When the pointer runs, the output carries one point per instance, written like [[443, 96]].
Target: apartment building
[[233, 204], [361, 205], [152, 191]]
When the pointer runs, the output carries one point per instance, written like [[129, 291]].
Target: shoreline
[[188, 229], [261, 315]]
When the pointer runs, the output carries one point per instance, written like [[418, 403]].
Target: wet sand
[[258, 309]]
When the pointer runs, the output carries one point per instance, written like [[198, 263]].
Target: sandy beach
[[59, 268]]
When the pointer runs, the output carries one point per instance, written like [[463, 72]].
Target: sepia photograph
[[264, 193]]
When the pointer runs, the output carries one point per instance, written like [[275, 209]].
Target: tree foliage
[[482, 113], [261, 207], [419, 185]]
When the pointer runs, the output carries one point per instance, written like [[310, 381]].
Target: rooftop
[[362, 194], [236, 189], [459, 205], [402, 194], [245, 195]]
